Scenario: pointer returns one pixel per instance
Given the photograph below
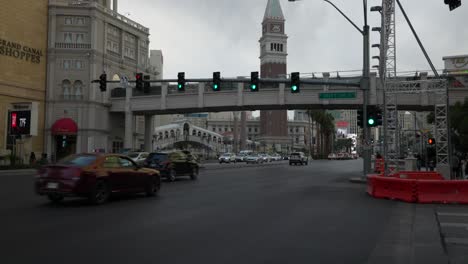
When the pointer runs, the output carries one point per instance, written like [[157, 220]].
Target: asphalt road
[[256, 214]]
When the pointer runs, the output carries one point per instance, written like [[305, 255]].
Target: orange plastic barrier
[[379, 166], [418, 175], [393, 188], [430, 191]]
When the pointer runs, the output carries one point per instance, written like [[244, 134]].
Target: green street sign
[[337, 95]]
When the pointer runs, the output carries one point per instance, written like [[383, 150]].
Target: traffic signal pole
[[365, 84], [367, 150]]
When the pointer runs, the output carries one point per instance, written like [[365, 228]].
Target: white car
[[138, 157], [227, 158], [332, 156], [253, 158]]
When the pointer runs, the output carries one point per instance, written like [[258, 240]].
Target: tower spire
[[273, 11]]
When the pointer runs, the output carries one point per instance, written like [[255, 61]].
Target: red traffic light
[[431, 141], [139, 76]]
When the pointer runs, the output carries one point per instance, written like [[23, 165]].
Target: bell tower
[[273, 62]]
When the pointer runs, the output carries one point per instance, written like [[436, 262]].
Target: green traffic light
[[215, 87], [371, 121], [180, 86], [294, 88], [253, 87]]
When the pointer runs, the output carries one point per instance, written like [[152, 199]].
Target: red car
[[95, 176]]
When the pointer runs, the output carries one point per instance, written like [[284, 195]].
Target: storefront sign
[[20, 122], [20, 52]]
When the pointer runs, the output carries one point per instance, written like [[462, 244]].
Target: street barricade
[[393, 188], [431, 191], [379, 166], [418, 175]]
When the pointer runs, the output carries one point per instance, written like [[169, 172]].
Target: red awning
[[64, 126]]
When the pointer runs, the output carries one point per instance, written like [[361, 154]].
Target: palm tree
[[325, 130]]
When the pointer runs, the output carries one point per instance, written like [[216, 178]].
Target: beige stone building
[[23, 56]]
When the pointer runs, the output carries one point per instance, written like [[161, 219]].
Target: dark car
[[173, 164], [95, 176]]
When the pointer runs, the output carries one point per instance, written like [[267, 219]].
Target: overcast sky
[[202, 36]]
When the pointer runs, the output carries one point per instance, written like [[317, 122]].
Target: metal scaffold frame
[[434, 87], [392, 88]]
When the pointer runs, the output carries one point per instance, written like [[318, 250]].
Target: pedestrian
[[466, 167], [418, 161], [32, 159], [455, 166]]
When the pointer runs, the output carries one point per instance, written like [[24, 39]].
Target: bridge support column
[[148, 130], [128, 139]]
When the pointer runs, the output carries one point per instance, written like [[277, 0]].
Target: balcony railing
[[88, 3], [61, 45], [71, 97]]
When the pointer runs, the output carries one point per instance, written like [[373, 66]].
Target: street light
[[365, 83]]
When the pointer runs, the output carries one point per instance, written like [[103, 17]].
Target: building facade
[[23, 56], [86, 39], [273, 64]]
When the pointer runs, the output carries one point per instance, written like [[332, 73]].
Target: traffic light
[[139, 81], [452, 4], [181, 81], [431, 141], [103, 82], [216, 81], [360, 118], [373, 116], [295, 82], [146, 84], [379, 117], [254, 82]]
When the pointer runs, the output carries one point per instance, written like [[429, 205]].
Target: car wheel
[[194, 173], [172, 175], [153, 187], [55, 197], [100, 193]]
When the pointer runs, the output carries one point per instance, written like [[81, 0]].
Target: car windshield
[[78, 160], [226, 155], [157, 157], [133, 155]]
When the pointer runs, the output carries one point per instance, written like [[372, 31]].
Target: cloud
[[202, 36]]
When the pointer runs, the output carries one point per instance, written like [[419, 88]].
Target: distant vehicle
[[173, 164], [298, 158], [246, 152], [265, 157], [253, 158], [138, 157], [227, 158], [276, 157], [95, 176], [240, 157], [340, 156], [332, 156]]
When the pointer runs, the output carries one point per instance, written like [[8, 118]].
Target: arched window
[[78, 87], [66, 84], [172, 134], [194, 132], [166, 134]]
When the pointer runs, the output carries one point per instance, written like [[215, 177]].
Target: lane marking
[[455, 240], [454, 225], [453, 214]]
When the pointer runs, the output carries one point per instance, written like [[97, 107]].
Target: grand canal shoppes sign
[[20, 52]]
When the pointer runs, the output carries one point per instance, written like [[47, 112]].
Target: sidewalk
[[18, 172], [411, 235]]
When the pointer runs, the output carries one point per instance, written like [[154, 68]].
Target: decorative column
[[148, 133]]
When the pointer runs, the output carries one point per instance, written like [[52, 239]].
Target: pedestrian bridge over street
[[165, 99]]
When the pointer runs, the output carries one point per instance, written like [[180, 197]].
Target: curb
[[17, 172], [360, 180]]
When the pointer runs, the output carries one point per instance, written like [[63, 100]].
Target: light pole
[[364, 81]]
